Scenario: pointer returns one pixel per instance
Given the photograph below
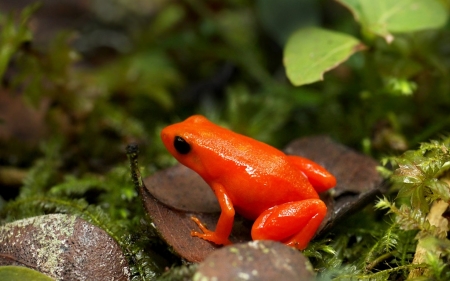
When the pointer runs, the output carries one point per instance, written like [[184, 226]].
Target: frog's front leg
[[225, 223], [292, 223]]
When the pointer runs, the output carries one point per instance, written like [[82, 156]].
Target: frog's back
[[231, 151], [256, 188], [255, 175]]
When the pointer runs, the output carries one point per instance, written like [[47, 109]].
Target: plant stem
[[378, 260]]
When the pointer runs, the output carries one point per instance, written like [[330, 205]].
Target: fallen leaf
[[169, 187], [63, 247], [175, 227]]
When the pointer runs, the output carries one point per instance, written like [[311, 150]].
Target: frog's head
[[185, 140]]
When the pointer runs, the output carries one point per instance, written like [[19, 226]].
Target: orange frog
[[254, 179]]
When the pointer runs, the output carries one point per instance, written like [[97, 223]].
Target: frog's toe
[[211, 237], [200, 225]]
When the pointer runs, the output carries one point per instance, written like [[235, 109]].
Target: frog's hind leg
[[293, 223], [317, 175]]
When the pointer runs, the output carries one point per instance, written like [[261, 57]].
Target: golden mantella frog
[[254, 179]]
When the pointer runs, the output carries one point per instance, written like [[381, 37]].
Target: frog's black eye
[[181, 145]]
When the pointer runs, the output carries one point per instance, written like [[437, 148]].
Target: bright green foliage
[[411, 219], [312, 51], [364, 247], [417, 174], [437, 264], [385, 245], [383, 17]]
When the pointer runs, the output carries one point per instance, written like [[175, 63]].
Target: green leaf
[[383, 17], [312, 51], [440, 189], [19, 273]]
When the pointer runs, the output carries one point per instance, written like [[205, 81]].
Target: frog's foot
[[293, 223], [208, 234]]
